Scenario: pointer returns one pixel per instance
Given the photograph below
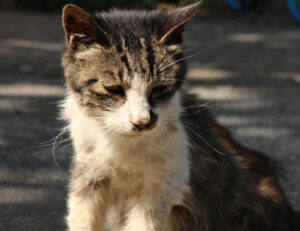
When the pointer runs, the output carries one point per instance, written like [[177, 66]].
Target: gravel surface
[[246, 70]]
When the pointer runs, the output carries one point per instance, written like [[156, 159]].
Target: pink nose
[[146, 123], [141, 124]]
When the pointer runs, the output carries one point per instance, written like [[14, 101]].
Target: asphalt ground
[[245, 68]]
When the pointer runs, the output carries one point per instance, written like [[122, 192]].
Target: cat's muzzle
[[145, 124]]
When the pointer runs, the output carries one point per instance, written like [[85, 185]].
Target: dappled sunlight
[[247, 37], [234, 121], [15, 194], [14, 104], [237, 120], [205, 73], [262, 132], [22, 43], [32, 90], [286, 37], [47, 175], [246, 105], [293, 76], [223, 92]]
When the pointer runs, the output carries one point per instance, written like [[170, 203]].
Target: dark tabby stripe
[[150, 59], [90, 82], [120, 74], [78, 89], [127, 43], [125, 61], [119, 48]]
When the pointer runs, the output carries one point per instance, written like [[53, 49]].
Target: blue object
[[293, 6], [239, 5]]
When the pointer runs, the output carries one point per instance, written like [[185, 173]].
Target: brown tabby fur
[[233, 188]]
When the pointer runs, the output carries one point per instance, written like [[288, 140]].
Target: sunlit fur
[[136, 166], [183, 172]]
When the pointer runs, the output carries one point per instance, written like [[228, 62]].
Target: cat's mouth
[[138, 133]]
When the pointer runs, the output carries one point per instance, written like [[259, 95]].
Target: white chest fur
[[153, 170]]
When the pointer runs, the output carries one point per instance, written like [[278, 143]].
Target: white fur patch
[[148, 171]]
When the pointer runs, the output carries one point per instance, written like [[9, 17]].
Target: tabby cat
[[148, 157]]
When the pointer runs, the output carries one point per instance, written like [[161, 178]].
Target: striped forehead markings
[[143, 64], [139, 57], [119, 48], [120, 75], [150, 59], [124, 59]]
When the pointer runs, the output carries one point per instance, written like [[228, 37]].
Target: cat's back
[[213, 146], [228, 179]]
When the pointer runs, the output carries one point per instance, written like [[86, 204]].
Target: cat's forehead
[[134, 24], [125, 59], [128, 50]]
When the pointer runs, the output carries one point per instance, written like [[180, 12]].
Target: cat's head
[[125, 67]]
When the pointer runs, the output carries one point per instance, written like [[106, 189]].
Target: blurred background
[[245, 67]]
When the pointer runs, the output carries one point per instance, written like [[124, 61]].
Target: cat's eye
[[160, 94], [116, 90], [159, 90]]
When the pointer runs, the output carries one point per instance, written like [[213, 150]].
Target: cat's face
[[127, 83]]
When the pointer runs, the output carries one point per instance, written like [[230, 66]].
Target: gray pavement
[[246, 70]]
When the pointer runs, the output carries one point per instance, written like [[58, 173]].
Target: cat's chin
[[135, 135], [132, 135]]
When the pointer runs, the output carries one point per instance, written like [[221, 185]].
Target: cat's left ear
[[176, 21], [80, 27]]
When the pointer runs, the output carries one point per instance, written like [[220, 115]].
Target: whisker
[[199, 105], [184, 58], [55, 145], [45, 143], [65, 146], [169, 57], [186, 113], [57, 101], [191, 143], [187, 126]]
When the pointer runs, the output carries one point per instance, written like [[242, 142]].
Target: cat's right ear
[[80, 27], [176, 21]]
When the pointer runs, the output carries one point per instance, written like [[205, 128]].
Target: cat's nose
[[141, 124], [145, 123]]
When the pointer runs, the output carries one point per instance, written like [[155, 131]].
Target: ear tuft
[[178, 18], [76, 22]]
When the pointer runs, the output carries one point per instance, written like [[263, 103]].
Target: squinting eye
[[158, 90], [116, 90]]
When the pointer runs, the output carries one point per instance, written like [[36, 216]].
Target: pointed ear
[[176, 22], [80, 27]]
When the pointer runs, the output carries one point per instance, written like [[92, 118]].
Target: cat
[[148, 156]]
